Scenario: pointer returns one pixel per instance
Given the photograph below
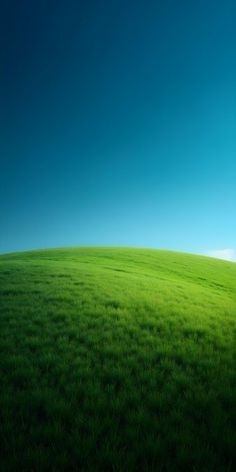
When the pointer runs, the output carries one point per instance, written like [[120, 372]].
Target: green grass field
[[117, 360]]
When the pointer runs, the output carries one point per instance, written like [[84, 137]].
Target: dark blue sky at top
[[118, 124]]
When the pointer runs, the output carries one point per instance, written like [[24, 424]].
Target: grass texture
[[116, 359]]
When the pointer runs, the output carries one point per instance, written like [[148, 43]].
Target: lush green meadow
[[117, 360]]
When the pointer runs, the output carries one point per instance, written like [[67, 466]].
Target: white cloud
[[226, 254]]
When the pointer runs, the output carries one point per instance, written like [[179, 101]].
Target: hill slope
[[117, 359]]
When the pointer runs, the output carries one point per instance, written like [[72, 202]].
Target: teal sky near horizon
[[118, 124]]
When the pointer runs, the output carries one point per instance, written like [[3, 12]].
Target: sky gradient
[[118, 124]]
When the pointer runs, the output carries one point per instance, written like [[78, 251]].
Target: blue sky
[[118, 124]]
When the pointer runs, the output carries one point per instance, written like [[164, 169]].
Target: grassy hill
[[117, 359]]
